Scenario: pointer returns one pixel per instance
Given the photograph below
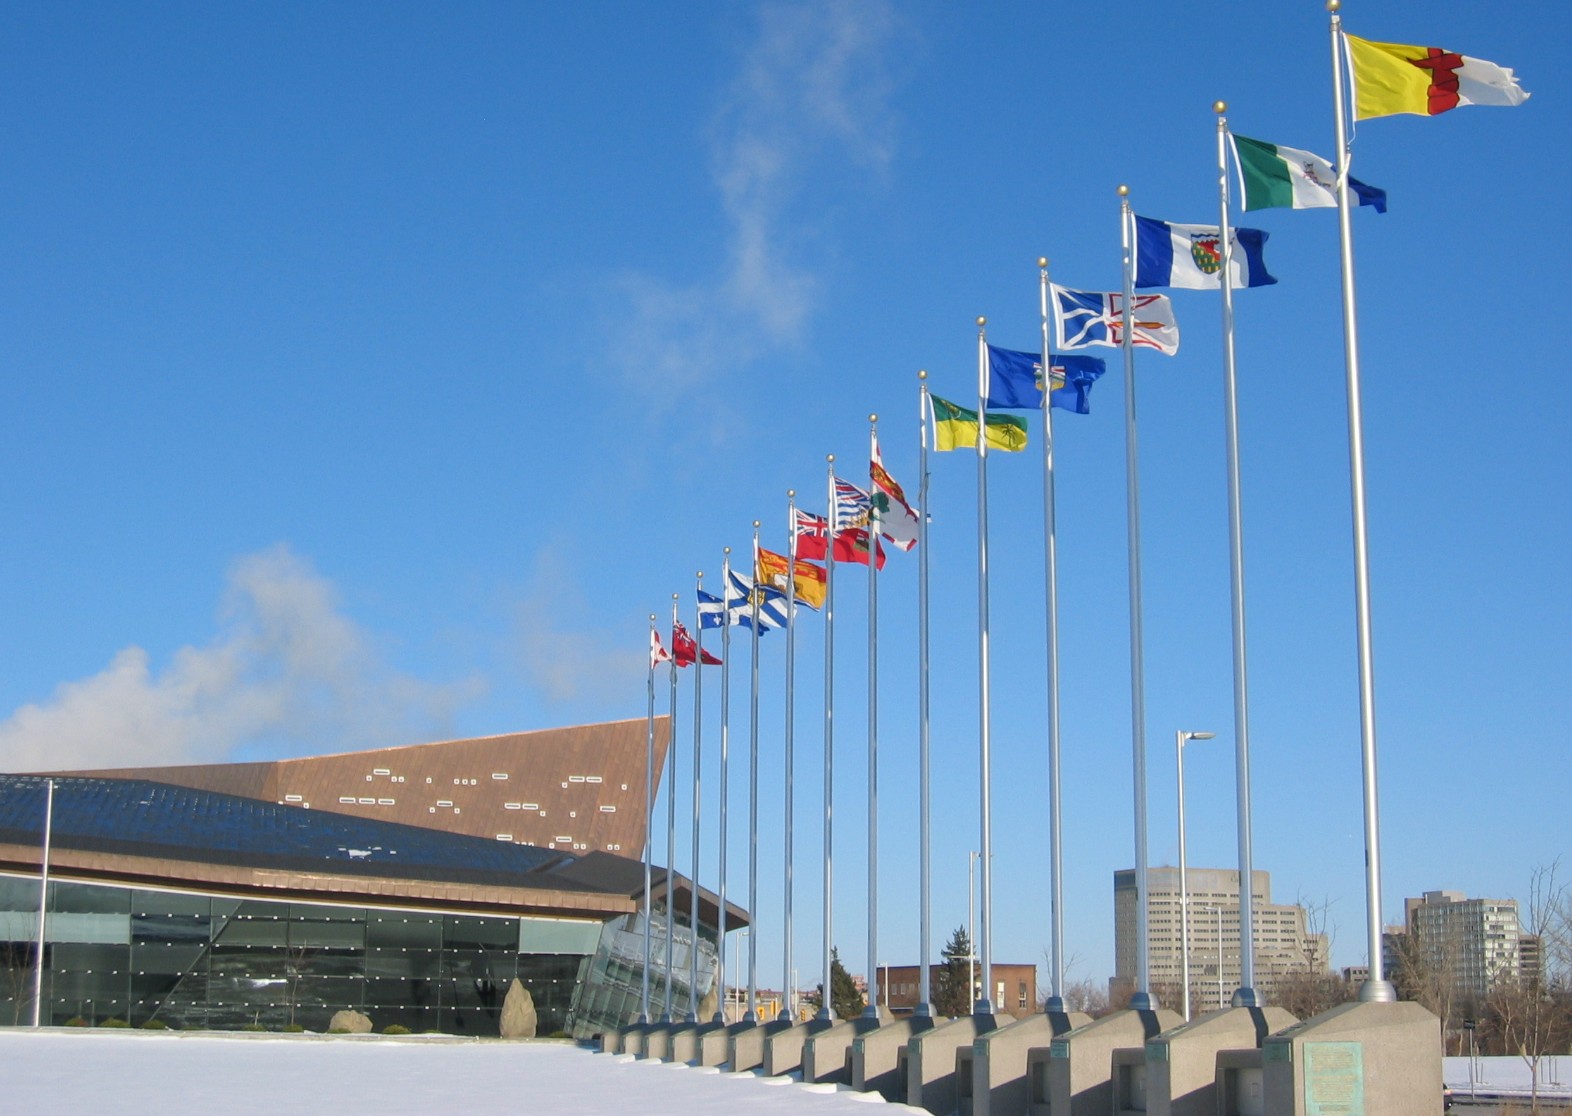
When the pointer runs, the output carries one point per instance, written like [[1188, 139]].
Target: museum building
[[172, 903]]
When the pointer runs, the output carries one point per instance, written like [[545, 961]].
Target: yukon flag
[[896, 520], [1392, 78], [1271, 176]]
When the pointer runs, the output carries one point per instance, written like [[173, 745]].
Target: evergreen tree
[[952, 991], [845, 1001]]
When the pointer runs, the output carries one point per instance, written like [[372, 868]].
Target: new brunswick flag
[[809, 579]]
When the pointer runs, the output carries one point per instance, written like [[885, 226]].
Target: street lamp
[[1181, 738]]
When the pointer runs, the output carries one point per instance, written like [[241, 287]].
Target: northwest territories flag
[[1015, 380], [1191, 256], [1090, 318]]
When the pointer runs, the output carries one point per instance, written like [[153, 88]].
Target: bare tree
[[1310, 987]]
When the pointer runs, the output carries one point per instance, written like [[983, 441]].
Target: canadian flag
[[658, 654]]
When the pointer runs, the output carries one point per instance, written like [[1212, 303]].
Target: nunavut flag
[[1391, 78]]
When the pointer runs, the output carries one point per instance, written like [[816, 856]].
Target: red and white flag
[[658, 654], [686, 650]]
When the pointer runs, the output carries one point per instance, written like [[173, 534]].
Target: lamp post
[[1181, 738]]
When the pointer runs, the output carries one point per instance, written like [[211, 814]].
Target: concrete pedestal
[[930, 1060], [876, 1062], [715, 1046], [629, 1040], [1073, 1076], [1357, 1059], [1241, 1090], [747, 1047], [1181, 1064], [826, 1056], [685, 1043], [783, 1050], [990, 1074], [658, 1039]]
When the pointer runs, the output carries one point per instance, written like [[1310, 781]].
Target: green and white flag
[[1272, 176]]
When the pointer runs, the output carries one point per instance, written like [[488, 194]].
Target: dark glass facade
[[200, 961]]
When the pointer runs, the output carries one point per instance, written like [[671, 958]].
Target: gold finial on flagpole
[[830, 457], [726, 550], [1219, 107], [1124, 191], [791, 493], [1333, 5], [1042, 261], [873, 418], [755, 524], [652, 618], [981, 321], [922, 373]]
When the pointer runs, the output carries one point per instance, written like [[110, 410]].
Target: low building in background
[[1014, 987]]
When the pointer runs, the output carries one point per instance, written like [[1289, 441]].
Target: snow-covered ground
[[1510, 1076], [53, 1071]]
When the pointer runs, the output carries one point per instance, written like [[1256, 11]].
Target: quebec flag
[[1085, 318], [1191, 256]]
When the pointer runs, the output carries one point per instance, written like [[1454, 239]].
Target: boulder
[[518, 1012], [352, 1021]]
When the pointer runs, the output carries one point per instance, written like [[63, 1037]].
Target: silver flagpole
[[788, 982], [693, 883], [43, 900], [924, 1006], [1055, 1001], [984, 1004], [753, 799], [725, 786], [871, 1009], [829, 734], [649, 821], [1143, 1000], [1377, 989], [1245, 995], [669, 1015]]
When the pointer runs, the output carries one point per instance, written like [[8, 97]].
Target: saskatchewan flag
[[956, 428], [1270, 176]]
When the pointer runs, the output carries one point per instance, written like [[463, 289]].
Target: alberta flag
[[1191, 256], [1085, 318], [1015, 380]]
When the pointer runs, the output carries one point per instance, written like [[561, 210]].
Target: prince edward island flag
[[1191, 256]]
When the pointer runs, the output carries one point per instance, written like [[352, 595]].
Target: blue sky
[[371, 372]]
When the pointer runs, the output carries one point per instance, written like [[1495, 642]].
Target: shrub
[[77, 1021], [340, 1031], [155, 1025], [253, 1027], [114, 1023], [396, 1029], [293, 1028]]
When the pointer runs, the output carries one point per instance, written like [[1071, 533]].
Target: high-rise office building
[[1478, 942]]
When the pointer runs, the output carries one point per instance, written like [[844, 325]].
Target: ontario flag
[[685, 650], [658, 654], [813, 534]]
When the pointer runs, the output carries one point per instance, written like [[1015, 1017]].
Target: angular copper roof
[[575, 790]]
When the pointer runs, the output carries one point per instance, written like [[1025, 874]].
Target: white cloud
[[562, 659], [288, 670], [808, 100]]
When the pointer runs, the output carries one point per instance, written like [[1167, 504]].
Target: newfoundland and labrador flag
[[1085, 318], [1015, 380], [1274, 176], [1191, 256]]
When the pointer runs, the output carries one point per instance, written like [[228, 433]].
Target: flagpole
[[753, 799], [649, 821], [693, 882], [669, 1016], [1055, 1001], [43, 901], [924, 1007], [787, 981], [984, 1003], [1142, 1000], [1246, 995], [829, 735], [871, 1010], [1376, 989], [725, 785]]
